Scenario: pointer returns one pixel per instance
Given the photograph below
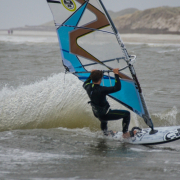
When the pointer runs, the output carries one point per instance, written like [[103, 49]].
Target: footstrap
[[132, 131]]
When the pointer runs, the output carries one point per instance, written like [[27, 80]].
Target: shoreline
[[151, 38], [127, 38]]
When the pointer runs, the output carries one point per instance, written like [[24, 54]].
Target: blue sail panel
[[127, 96]]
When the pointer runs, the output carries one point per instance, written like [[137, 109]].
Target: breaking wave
[[170, 117], [57, 102], [50, 103]]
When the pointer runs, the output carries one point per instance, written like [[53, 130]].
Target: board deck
[[164, 135]]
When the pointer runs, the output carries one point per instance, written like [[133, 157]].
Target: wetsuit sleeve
[[115, 88], [88, 80]]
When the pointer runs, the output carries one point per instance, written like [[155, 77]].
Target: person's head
[[96, 76]]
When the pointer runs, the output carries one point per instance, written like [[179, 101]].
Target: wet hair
[[96, 76]]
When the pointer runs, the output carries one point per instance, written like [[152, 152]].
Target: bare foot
[[135, 132], [127, 134]]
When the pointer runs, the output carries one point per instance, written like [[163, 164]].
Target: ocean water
[[47, 129]]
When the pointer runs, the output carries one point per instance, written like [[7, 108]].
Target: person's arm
[[116, 87]]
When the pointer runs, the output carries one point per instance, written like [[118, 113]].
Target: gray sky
[[18, 13]]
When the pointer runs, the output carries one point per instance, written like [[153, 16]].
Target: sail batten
[[109, 60], [78, 27]]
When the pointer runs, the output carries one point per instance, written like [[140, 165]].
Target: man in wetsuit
[[100, 105]]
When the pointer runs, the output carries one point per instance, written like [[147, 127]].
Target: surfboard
[[143, 137]]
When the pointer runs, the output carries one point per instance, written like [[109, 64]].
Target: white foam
[[142, 150], [154, 44], [169, 116], [162, 45], [167, 51], [7, 135], [138, 150], [22, 156], [43, 103], [83, 131], [28, 39], [51, 103], [74, 178]]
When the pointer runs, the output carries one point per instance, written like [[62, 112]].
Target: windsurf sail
[[89, 40]]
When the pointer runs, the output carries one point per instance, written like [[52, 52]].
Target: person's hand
[[116, 71]]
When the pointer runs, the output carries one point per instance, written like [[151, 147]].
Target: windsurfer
[[100, 105]]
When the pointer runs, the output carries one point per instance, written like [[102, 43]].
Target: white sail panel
[[61, 12], [101, 45], [87, 18], [96, 4]]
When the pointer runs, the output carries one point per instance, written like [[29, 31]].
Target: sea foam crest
[[28, 39], [58, 101], [49, 103], [169, 117]]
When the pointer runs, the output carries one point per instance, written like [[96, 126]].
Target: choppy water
[[47, 130]]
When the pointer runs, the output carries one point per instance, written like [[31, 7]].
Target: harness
[[98, 110]]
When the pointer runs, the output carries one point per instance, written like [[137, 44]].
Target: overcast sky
[[18, 13]]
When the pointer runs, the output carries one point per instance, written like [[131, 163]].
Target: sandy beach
[[130, 38]]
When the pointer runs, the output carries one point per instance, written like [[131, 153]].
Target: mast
[[128, 59]]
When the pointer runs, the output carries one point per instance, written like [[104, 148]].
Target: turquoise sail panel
[[127, 96]]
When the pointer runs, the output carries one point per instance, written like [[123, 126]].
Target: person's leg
[[104, 126], [116, 115], [126, 121]]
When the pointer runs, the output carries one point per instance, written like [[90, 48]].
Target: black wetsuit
[[97, 94]]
